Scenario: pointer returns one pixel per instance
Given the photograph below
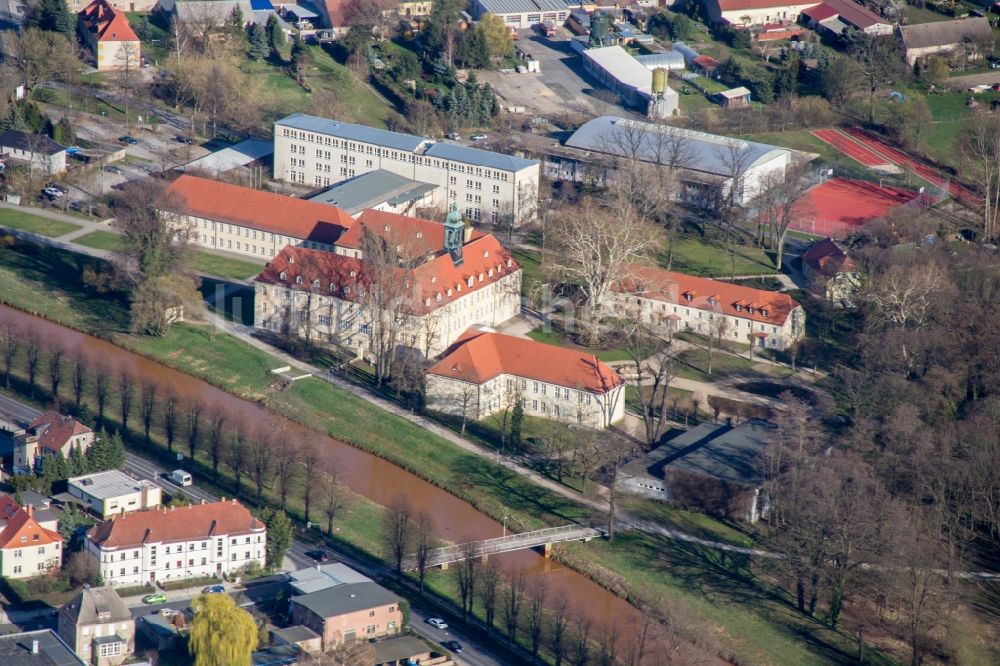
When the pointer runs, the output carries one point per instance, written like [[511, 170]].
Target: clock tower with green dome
[[454, 234]]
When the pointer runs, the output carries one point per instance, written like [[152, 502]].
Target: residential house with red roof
[[256, 223], [677, 302], [212, 539], [50, 434], [826, 264], [430, 283], [109, 36], [485, 372], [839, 16], [26, 548]]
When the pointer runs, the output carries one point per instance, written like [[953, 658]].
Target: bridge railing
[[501, 544]]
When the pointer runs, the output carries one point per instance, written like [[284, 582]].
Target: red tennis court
[[850, 147], [841, 205]]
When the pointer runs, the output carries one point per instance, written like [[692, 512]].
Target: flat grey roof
[[704, 152], [371, 189], [620, 64], [404, 142], [394, 140], [522, 6], [479, 157], [399, 647], [305, 581], [714, 450], [295, 634], [111, 483], [350, 598], [241, 154], [15, 650]]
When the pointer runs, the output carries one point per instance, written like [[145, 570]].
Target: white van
[[180, 477]]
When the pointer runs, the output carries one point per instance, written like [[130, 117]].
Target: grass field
[[36, 224], [204, 262], [693, 364], [554, 337], [697, 256], [100, 240]]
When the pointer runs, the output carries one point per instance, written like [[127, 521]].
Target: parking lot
[[562, 86]]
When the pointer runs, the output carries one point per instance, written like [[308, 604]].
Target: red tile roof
[[189, 523], [54, 430], [107, 23], [706, 294], [478, 357], [437, 282], [23, 524], [706, 62], [8, 507], [828, 258], [820, 12], [257, 209], [336, 11], [419, 237], [854, 14]]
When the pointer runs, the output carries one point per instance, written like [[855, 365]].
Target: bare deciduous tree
[[513, 599], [425, 543], [126, 390], [466, 577], [55, 358], [147, 408], [170, 417], [332, 496], [397, 530], [10, 344], [979, 150], [489, 592], [80, 365]]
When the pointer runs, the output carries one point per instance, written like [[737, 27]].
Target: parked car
[[437, 623], [79, 205], [180, 138], [454, 646], [158, 598], [214, 589], [111, 168], [52, 193], [454, 136], [57, 186], [180, 477], [478, 137], [169, 612], [128, 140], [318, 555]]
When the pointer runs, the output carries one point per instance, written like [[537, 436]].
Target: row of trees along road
[[274, 460]]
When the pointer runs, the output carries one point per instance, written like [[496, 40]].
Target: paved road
[[965, 82], [14, 413]]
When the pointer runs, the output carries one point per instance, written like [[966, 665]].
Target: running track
[[896, 156], [851, 147]]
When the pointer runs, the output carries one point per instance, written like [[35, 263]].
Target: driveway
[[966, 82]]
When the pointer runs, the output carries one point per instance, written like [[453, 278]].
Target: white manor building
[[678, 302], [213, 539], [459, 278], [485, 185], [487, 372]]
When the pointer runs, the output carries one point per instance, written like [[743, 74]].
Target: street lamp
[[505, 516]]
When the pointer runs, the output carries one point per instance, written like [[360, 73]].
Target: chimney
[[30, 509], [34, 647]]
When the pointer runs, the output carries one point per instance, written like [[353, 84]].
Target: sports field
[[841, 205]]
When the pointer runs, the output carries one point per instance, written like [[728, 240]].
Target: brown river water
[[377, 479]]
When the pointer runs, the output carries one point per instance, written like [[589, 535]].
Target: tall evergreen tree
[[77, 463], [275, 35], [257, 47], [54, 16], [280, 533]]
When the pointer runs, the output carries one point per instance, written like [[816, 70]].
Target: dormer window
[[471, 281], [347, 289], [433, 279], [354, 273], [437, 297], [739, 308], [688, 296], [490, 274], [763, 313], [315, 284], [749, 309], [291, 260], [399, 248], [333, 286], [420, 234], [387, 227], [486, 254], [448, 293], [427, 302], [284, 276], [509, 263], [480, 277], [298, 279]]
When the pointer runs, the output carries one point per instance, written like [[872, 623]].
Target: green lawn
[[949, 113], [100, 240], [914, 15], [226, 267], [531, 265], [693, 364], [552, 336], [711, 85], [204, 262], [697, 256], [36, 224], [694, 102]]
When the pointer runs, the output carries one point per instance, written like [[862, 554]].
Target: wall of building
[[111, 56], [331, 320], [789, 13], [481, 193], [526, 19], [541, 399], [736, 329], [140, 500], [360, 625], [49, 164], [240, 239], [173, 561], [81, 639], [28, 559]]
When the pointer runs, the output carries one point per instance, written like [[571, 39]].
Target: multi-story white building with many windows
[[175, 543], [678, 302], [449, 278], [485, 185], [487, 372]]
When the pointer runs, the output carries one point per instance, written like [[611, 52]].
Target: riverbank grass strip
[[36, 224]]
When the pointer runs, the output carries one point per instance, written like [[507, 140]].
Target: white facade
[[570, 405], [483, 184], [113, 492], [240, 238], [523, 14]]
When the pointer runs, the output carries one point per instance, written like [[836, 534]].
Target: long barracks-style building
[[484, 185]]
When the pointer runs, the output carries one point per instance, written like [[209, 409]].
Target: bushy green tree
[[62, 132], [516, 424], [222, 634], [78, 464], [54, 16], [275, 35], [55, 468], [280, 533], [107, 452], [235, 28]]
